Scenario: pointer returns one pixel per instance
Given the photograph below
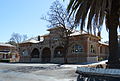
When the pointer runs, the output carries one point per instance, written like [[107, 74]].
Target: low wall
[[35, 60]]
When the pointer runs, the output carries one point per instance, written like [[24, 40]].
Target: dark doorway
[[35, 53], [46, 55]]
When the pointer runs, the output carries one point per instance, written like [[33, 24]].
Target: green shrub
[[100, 59], [5, 60]]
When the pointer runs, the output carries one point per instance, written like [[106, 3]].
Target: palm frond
[[97, 11], [70, 5]]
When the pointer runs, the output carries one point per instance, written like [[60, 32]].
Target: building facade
[[8, 53], [83, 47]]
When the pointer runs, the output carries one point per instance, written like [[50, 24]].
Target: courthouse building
[[48, 48]]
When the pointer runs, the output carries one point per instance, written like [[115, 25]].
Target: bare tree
[[58, 17], [24, 37], [16, 38]]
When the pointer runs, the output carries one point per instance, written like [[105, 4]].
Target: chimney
[[38, 38]]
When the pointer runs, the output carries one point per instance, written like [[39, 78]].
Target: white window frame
[[77, 50]]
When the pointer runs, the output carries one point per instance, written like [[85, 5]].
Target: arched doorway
[[59, 52], [35, 53], [46, 55]]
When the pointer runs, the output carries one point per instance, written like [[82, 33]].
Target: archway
[[46, 55], [59, 52], [35, 53]]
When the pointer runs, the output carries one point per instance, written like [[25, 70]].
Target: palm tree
[[96, 11]]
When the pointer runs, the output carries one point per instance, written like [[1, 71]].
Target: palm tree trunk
[[113, 60], [113, 21]]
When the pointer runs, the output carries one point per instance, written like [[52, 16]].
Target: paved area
[[37, 72]]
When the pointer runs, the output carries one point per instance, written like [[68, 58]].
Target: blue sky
[[23, 16]]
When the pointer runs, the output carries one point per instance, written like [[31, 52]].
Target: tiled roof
[[75, 32], [31, 41], [103, 43], [45, 35], [7, 45]]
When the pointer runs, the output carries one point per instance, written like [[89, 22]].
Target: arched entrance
[[35, 53], [46, 55], [59, 52]]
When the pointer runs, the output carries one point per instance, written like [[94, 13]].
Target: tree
[[16, 38], [98, 11], [11, 42], [58, 17]]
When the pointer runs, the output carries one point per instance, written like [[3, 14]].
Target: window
[[77, 49], [25, 53], [92, 49], [55, 38], [59, 52], [13, 56]]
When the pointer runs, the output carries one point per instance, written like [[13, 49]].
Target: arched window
[[25, 53], [92, 49], [77, 49], [58, 52]]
